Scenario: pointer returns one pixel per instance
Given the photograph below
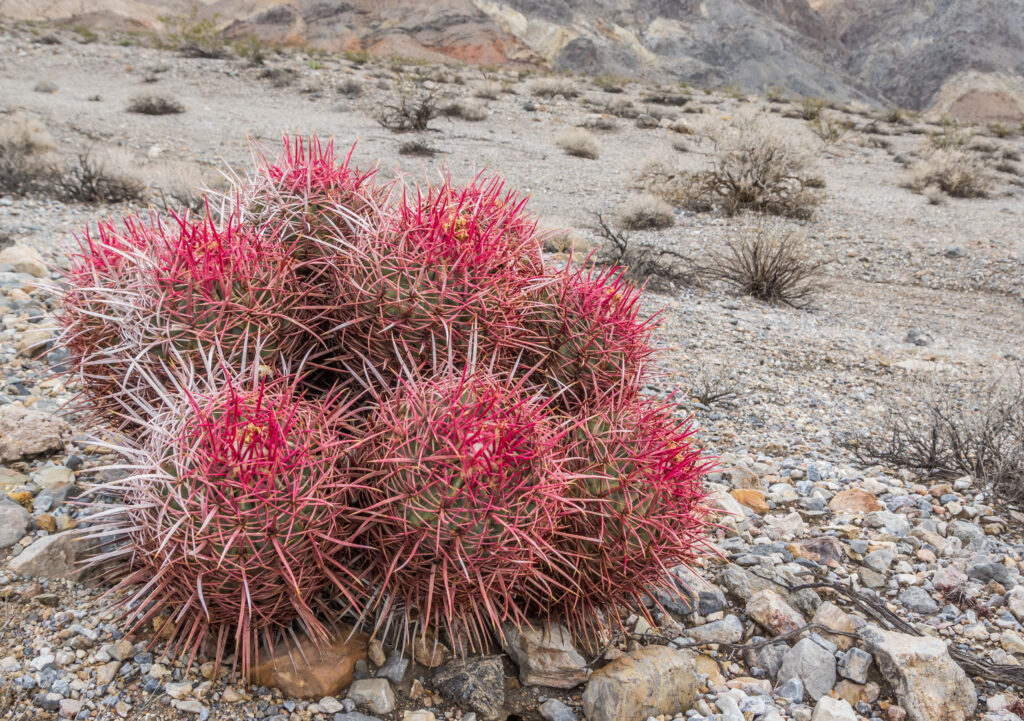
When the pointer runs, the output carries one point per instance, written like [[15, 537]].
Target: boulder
[[374, 694], [649, 681], [814, 665], [305, 671], [14, 522], [545, 656], [25, 433], [927, 682], [25, 260]]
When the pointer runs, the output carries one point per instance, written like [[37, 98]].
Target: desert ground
[[921, 295]]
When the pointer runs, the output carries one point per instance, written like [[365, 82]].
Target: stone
[[792, 689], [53, 476], [833, 709], [478, 683], [394, 668], [353, 716], [107, 672], [893, 523], [1012, 642], [178, 690], [1015, 602], [304, 671], [726, 630], [927, 682], [650, 681], [918, 600], [25, 260], [25, 433], [376, 652], [813, 665], [555, 710], [948, 577], [52, 556], [421, 715], [428, 651], [773, 613], [854, 500], [784, 528], [374, 694], [329, 704], [831, 616], [854, 665], [706, 666], [768, 658], [825, 550], [752, 499], [545, 656], [14, 522]]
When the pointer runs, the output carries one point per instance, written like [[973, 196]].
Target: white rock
[[833, 709], [25, 260]]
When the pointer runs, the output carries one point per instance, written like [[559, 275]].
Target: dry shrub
[[417, 148], [178, 185], [758, 168], [979, 433], [412, 109], [93, 179], [954, 172], [487, 90], [279, 77], [350, 87], [603, 123], [645, 212], [473, 112], [658, 269], [680, 188], [714, 384], [26, 163], [622, 108], [579, 143], [155, 105], [770, 265], [552, 86]]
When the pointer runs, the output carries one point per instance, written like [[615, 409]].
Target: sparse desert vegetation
[[809, 266]]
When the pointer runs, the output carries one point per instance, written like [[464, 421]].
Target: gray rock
[[813, 665], [14, 522], [986, 571], [52, 556], [919, 338], [854, 665], [928, 683], [726, 630], [373, 693], [792, 689], [329, 704], [25, 433], [879, 561], [916, 599], [555, 710], [649, 681], [394, 668], [833, 709], [894, 523], [545, 656], [768, 658], [478, 683], [354, 716]]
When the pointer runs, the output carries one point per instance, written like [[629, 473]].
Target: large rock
[[546, 656], [374, 694], [25, 260], [928, 683], [814, 665], [25, 433], [773, 613], [831, 616], [478, 683], [14, 522], [305, 671], [725, 630], [54, 556], [833, 709], [650, 681]]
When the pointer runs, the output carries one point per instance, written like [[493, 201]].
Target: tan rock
[[706, 666], [25, 260], [752, 499], [854, 500], [25, 433], [830, 615], [426, 650], [826, 550], [649, 681], [854, 692], [774, 614], [309, 672], [545, 656]]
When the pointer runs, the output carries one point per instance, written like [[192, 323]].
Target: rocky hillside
[[911, 54]]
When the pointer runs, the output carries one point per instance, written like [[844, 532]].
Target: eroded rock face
[[928, 683], [650, 681], [307, 672], [545, 656], [25, 433]]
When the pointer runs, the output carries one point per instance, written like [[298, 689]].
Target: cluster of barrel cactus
[[339, 396]]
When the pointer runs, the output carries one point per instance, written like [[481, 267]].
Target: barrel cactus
[[238, 517], [466, 488]]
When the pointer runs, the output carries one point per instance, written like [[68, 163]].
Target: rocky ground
[[917, 296]]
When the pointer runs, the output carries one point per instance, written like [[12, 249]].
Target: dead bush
[[155, 105], [26, 164], [956, 173], [463, 110], [658, 269], [758, 168], [604, 123], [92, 180], [713, 385], [827, 129], [552, 86], [279, 77], [680, 188], [770, 265], [412, 109], [350, 87], [645, 212], [194, 37], [487, 90], [417, 148], [622, 108], [978, 433], [579, 143]]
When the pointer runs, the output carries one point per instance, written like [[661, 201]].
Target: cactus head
[[466, 488]]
